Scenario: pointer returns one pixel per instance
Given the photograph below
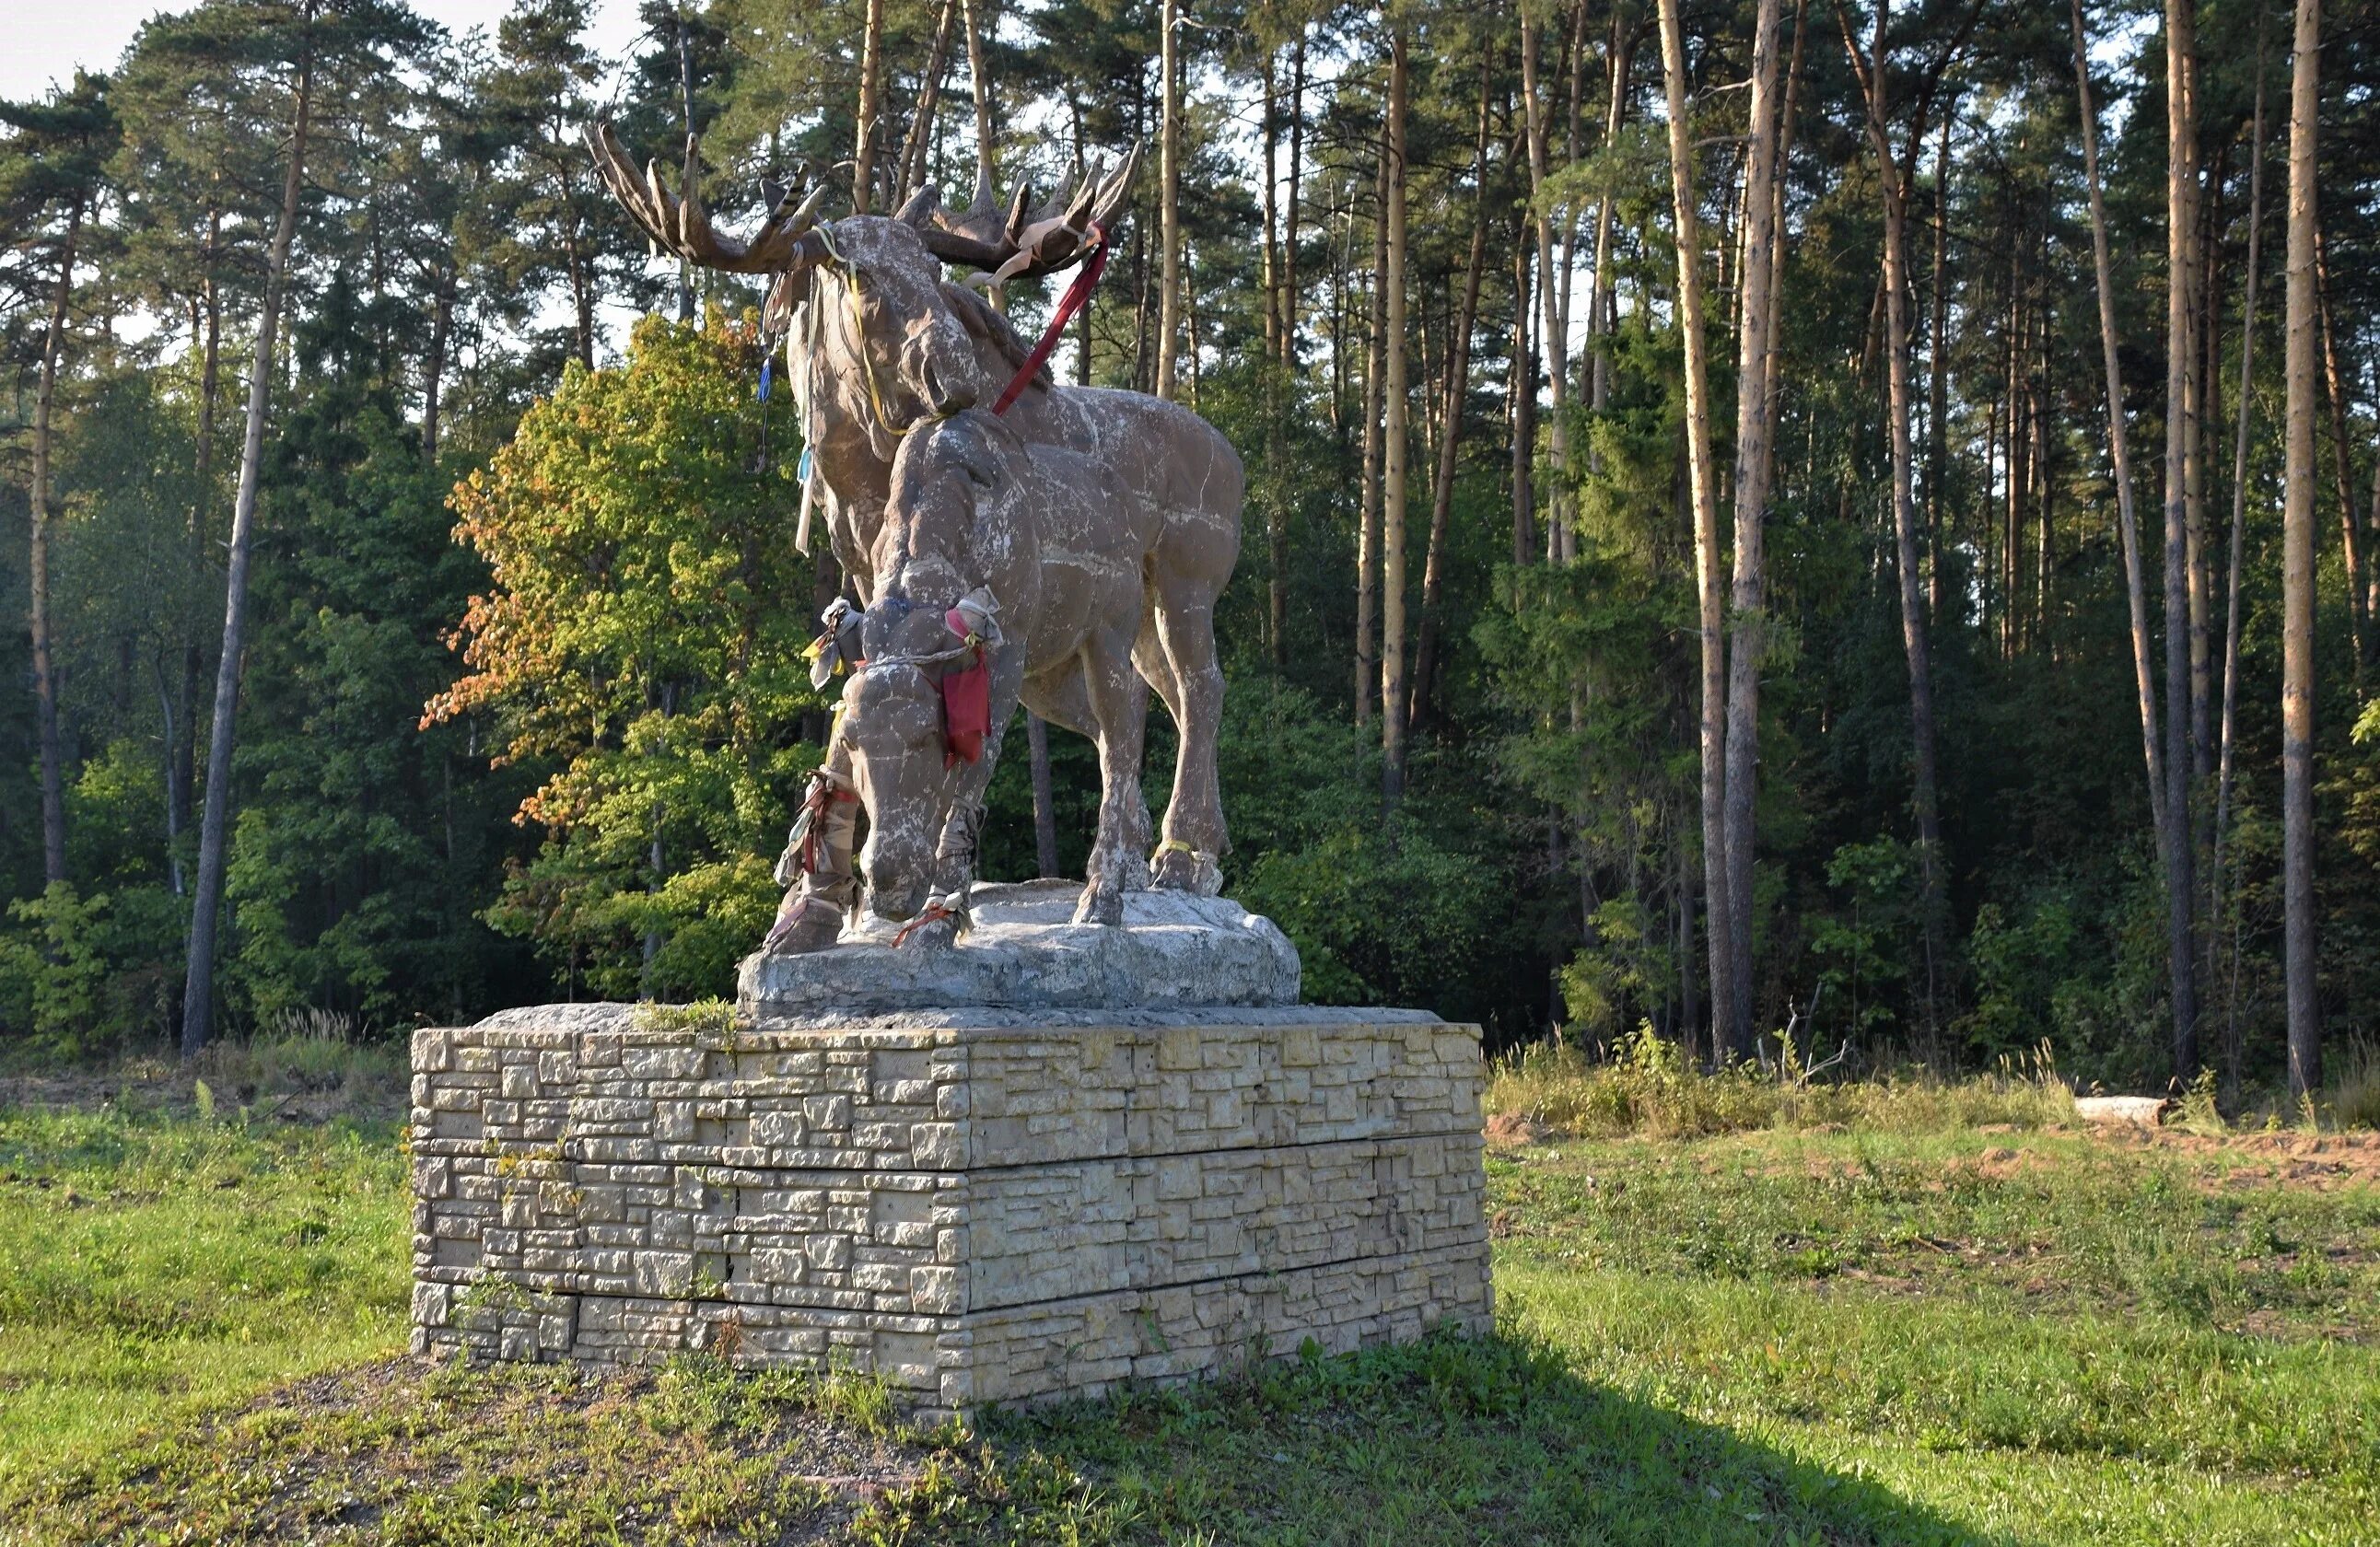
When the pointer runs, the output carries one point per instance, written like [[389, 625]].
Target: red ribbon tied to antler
[[1078, 293]]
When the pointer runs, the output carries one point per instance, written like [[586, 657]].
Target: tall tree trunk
[[1367, 538], [871, 77], [45, 678], [1525, 405], [2118, 446], [1703, 491], [1393, 451], [198, 990], [920, 142], [1561, 542], [1275, 380], [2181, 239], [2351, 537], [987, 131], [1268, 211], [1458, 381], [685, 312], [1938, 394], [1169, 136], [1289, 311], [2297, 571], [2240, 478], [186, 735], [1754, 428], [433, 367], [1599, 289]]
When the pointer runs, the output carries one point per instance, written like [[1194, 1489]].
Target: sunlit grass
[[152, 1269], [1920, 1332]]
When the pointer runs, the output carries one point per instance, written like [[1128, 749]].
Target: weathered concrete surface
[[1174, 950], [979, 1212]]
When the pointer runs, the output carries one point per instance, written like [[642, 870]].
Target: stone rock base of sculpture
[[981, 1206], [1174, 949]]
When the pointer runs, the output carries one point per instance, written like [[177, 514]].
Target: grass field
[[1971, 1332]]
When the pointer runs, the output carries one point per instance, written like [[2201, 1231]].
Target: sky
[[51, 37]]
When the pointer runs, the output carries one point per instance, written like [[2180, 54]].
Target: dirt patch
[[356, 1455], [1510, 1130]]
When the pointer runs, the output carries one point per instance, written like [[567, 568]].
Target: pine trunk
[[1169, 139], [2118, 446], [1754, 427], [871, 74], [1899, 410], [198, 991], [1368, 538], [1458, 381], [2239, 475], [1393, 451], [45, 678], [2181, 242], [1707, 557], [2297, 571]]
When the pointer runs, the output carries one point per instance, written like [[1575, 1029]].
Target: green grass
[[152, 1268], [1763, 1338]]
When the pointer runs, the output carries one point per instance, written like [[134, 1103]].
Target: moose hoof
[[806, 922], [1099, 905], [928, 934], [1177, 869]]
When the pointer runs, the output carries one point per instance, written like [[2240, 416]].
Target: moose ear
[[918, 210]]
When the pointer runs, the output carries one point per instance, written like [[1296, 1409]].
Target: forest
[[1816, 528]]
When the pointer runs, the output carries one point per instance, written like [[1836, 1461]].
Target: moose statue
[[1062, 547]]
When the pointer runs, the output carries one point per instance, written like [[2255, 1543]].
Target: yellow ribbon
[[849, 274]]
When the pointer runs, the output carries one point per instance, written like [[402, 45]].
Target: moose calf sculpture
[[1026, 564]]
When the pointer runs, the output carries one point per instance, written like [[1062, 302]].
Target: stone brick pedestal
[[983, 1205]]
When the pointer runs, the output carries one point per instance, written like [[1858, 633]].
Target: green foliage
[[638, 643]]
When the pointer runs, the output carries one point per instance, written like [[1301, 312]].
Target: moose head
[[909, 333]]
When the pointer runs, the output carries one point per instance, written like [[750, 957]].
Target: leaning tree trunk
[[2239, 477], [1754, 428], [1458, 372], [1523, 378], [1368, 535], [45, 677], [2181, 239], [1395, 448], [2297, 571], [2351, 539], [2120, 451], [198, 990], [918, 143], [1552, 347], [185, 778], [1169, 142], [871, 73], [1707, 541]]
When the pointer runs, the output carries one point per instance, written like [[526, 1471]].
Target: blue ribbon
[[766, 362]]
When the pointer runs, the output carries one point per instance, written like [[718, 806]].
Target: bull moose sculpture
[[1101, 524]]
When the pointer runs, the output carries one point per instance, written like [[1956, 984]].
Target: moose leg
[[946, 908], [1195, 839], [1119, 703], [816, 867]]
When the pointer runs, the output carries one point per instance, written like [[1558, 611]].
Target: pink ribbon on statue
[[1068, 305]]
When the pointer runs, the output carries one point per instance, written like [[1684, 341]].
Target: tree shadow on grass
[[1452, 1440]]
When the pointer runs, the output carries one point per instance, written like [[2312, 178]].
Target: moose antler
[[1022, 240], [680, 225]]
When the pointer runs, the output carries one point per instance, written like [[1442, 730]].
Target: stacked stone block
[[981, 1211]]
